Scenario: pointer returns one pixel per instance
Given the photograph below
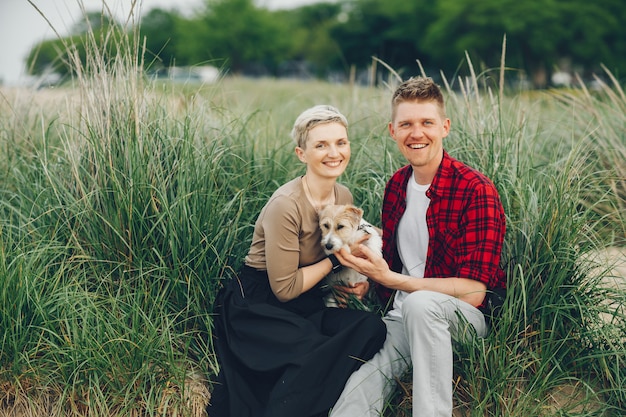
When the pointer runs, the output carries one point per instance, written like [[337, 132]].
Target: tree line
[[333, 40]]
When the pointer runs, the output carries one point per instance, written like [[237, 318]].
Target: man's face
[[418, 129]]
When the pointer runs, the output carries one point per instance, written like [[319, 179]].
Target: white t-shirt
[[412, 238]]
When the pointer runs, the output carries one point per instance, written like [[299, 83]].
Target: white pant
[[422, 338]]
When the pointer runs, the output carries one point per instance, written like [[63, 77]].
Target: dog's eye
[[324, 226], [340, 226]]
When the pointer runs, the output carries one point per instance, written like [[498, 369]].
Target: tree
[[92, 21], [309, 35], [595, 34], [540, 33], [391, 30], [95, 30], [541, 36], [160, 29], [241, 34], [48, 55]]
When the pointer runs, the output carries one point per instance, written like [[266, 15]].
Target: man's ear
[[446, 126], [391, 130]]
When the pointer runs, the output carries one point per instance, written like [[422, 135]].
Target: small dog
[[343, 225]]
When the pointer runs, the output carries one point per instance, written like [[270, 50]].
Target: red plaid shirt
[[466, 225]]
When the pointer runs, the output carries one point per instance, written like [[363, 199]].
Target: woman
[[282, 353]]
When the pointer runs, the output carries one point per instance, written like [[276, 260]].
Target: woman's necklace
[[317, 205]]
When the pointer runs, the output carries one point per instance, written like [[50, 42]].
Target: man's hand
[[355, 248], [366, 262], [375, 267]]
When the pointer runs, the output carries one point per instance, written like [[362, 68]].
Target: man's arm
[[376, 268]]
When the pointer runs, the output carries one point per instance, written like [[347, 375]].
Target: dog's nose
[[329, 246]]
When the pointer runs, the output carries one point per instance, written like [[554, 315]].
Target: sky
[[22, 26]]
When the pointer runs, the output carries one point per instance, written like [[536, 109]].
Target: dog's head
[[339, 225]]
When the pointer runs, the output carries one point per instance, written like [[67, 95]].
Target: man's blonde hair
[[418, 89]]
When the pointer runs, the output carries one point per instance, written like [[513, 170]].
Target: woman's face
[[327, 151]]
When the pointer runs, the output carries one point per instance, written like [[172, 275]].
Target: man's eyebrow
[[418, 119]]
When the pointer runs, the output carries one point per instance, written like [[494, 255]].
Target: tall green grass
[[124, 204]]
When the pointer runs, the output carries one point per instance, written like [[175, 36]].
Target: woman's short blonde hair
[[315, 116]]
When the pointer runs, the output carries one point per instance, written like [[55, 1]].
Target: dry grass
[[32, 401]]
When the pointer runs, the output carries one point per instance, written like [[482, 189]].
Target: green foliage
[[605, 150], [310, 33], [598, 44], [58, 55], [161, 31], [124, 204], [61, 56], [241, 34], [540, 34], [330, 38], [47, 56], [389, 30]]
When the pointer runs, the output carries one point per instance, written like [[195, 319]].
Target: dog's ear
[[356, 210]]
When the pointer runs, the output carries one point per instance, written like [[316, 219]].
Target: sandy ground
[[611, 263], [616, 257]]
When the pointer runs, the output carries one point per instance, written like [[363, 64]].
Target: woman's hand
[[359, 290]]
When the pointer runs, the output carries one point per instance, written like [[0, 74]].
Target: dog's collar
[[364, 227]]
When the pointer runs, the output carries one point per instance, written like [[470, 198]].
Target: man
[[443, 229]]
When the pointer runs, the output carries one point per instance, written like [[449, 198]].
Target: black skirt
[[285, 359]]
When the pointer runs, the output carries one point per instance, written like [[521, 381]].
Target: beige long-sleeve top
[[287, 237]]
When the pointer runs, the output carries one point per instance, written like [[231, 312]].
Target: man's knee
[[426, 304]]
